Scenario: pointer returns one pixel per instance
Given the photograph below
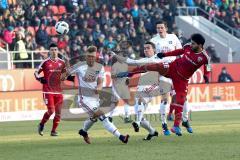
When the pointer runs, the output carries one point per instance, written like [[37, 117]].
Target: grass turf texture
[[216, 137]]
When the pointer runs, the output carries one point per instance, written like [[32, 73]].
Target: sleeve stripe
[[40, 66]]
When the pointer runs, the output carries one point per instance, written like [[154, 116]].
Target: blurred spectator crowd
[[227, 11], [29, 24]]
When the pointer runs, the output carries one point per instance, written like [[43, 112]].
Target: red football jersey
[[190, 61], [52, 70]]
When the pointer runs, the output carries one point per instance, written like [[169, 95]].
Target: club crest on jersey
[[199, 59], [170, 42]]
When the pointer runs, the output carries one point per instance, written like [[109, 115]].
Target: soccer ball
[[62, 27]]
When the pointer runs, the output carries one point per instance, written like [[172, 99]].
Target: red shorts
[[53, 100], [180, 85]]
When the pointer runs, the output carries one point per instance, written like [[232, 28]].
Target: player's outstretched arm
[[176, 52]]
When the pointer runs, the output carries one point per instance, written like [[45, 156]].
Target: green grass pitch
[[216, 137]]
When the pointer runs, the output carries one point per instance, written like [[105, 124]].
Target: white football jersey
[[87, 79], [167, 44], [147, 78], [148, 81]]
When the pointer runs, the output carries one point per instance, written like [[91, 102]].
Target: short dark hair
[[91, 49], [151, 43], [198, 38], [52, 45], [161, 22]]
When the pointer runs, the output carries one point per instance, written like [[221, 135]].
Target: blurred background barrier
[[28, 105]]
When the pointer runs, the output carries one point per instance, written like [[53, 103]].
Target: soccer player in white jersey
[[146, 89], [90, 79], [120, 89], [165, 42]]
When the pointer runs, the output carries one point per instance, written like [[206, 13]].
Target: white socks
[[146, 125], [110, 127], [126, 110], [139, 110], [139, 114], [186, 110], [88, 124], [163, 111]]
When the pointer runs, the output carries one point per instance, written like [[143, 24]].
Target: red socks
[[56, 121], [45, 118], [178, 114]]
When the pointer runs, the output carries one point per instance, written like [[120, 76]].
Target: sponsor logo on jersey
[[199, 59]]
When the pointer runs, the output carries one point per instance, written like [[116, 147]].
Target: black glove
[[71, 78], [206, 79], [42, 80], [160, 55]]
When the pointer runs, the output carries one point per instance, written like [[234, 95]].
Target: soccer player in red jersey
[[53, 69], [193, 56]]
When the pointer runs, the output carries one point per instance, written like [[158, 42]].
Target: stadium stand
[[97, 21]]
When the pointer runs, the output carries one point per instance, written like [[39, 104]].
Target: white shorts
[[165, 85], [89, 105], [147, 92]]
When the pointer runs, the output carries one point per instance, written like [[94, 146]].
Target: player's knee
[[58, 111], [50, 111]]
